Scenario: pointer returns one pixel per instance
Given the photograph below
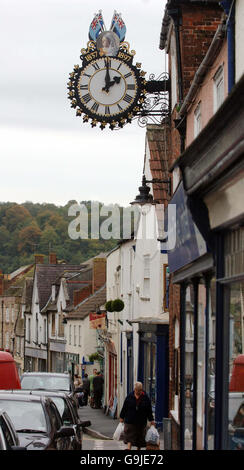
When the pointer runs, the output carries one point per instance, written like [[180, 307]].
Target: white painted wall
[[239, 56], [86, 345]]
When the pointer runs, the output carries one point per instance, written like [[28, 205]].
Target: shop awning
[[162, 320]]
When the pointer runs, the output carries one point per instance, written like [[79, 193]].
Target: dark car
[[236, 430], [67, 411], [49, 381], [37, 422], [8, 437]]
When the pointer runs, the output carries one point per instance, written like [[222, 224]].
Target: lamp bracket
[[155, 108]]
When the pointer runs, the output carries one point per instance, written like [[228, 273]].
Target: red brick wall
[[82, 294], [199, 24]]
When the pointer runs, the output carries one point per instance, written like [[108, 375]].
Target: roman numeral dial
[[107, 89]]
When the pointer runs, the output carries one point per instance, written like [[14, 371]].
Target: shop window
[[236, 368], [210, 402]]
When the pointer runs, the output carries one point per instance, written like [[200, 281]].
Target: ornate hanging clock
[[107, 89]]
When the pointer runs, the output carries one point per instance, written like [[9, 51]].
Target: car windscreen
[[25, 415], [38, 382], [64, 410]]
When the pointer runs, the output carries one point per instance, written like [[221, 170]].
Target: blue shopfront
[[153, 366]]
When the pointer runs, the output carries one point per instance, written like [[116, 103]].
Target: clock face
[[107, 87]]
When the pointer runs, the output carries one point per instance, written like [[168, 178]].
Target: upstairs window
[[218, 88], [197, 120], [146, 279]]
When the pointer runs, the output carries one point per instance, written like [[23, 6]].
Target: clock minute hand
[[107, 78]]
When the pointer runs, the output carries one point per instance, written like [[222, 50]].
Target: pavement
[[102, 426]]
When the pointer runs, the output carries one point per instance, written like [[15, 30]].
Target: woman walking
[[135, 413]]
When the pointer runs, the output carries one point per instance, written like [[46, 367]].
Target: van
[[9, 377], [237, 377]]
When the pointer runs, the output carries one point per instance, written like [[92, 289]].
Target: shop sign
[[190, 244], [72, 358], [97, 321]]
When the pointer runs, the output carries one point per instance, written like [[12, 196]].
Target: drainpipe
[[229, 8], [204, 67], [2, 323]]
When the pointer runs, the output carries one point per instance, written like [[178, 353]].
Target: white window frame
[[29, 330], [198, 119], [70, 334], [7, 314], [146, 276], [7, 340], [218, 81], [79, 335], [12, 313]]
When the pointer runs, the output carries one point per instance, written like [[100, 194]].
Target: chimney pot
[[39, 259]]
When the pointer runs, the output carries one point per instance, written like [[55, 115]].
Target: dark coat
[[133, 413], [98, 384], [86, 385]]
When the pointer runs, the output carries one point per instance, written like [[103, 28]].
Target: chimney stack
[[52, 258], [99, 273], [39, 259]]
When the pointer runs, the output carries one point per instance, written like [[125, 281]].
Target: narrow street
[[99, 436], [91, 443]]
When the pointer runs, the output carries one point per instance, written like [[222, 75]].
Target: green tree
[[29, 237]]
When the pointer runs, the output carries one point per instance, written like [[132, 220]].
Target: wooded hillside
[[30, 228]]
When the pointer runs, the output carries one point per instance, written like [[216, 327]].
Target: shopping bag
[[152, 436], [118, 432]]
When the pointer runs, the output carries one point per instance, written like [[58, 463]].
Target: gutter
[[204, 67], [229, 8]]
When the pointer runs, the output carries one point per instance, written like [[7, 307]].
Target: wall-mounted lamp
[[144, 196]]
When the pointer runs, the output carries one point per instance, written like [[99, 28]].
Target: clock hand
[[107, 78], [117, 79]]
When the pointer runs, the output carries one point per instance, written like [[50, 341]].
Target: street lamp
[[144, 196]]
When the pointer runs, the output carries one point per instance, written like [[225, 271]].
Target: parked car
[[37, 421], [236, 430], [49, 381], [67, 411], [9, 378], [8, 437]]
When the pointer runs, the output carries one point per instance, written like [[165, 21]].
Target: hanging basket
[[118, 305], [108, 306]]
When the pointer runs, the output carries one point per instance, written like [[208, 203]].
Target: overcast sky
[[47, 153]]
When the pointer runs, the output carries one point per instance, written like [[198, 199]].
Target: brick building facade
[[187, 32]]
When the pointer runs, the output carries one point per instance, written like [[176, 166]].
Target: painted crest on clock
[[107, 89]]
